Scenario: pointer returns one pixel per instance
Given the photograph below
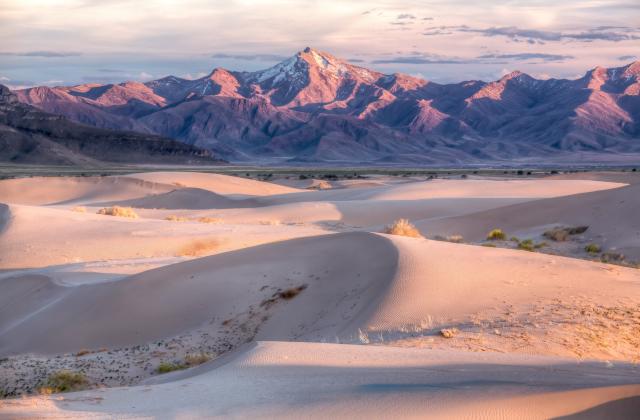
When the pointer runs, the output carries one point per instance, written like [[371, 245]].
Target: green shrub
[[592, 248], [166, 367], [496, 235], [64, 381]]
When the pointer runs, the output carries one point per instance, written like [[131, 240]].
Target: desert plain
[[186, 294]]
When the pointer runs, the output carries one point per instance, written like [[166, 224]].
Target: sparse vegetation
[[496, 235], [198, 248], [456, 239], [166, 367], [119, 212], [209, 220], [561, 234], [448, 332], [64, 381], [190, 360], [403, 227], [489, 245], [592, 248], [529, 245], [83, 352], [79, 209], [174, 218], [611, 256]]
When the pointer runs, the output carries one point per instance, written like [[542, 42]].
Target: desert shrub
[[174, 218], [403, 227], [496, 235], [456, 239], [540, 245], [83, 352], [209, 220], [79, 209], [198, 247], [514, 239], [166, 367], [448, 332], [592, 248], [526, 244], [119, 211], [487, 245], [561, 234], [610, 256], [64, 381], [196, 359]]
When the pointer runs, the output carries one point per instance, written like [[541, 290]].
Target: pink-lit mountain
[[315, 107]]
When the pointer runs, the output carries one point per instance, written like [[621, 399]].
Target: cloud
[[251, 57], [45, 54], [528, 56], [601, 33], [417, 59], [627, 57], [405, 16]]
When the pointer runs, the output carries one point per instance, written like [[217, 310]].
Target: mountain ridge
[[316, 107], [29, 135]]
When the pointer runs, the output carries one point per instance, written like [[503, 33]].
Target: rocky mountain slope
[[28, 135], [315, 107]]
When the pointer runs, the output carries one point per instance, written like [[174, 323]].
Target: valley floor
[[287, 299]]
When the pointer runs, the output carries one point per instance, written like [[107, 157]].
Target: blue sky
[[96, 41]]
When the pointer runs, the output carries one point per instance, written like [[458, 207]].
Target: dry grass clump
[[79, 209], [209, 220], [403, 227], [190, 360], [561, 234], [196, 359], [174, 218], [64, 381], [119, 211], [456, 239], [198, 248], [292, 292], [448, 332], [592, 248], [496, 235]]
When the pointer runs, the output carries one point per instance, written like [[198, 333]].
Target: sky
[[65, 42]]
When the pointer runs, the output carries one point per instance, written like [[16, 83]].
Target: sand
[[306, 308]]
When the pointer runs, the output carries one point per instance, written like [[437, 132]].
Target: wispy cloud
[[602, 33], [45, 54], [251, 57], [528, 56]]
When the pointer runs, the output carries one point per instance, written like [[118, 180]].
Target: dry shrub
[[64, 381], [496, 235], [198, 248], [456, 239], [560, 234], [174, 218], [166, 367], [79, 209], [209, 220], [83, 352], [610, 256], [448, 332], [119, 211], [196, 359], [269, 222], [403, 227]]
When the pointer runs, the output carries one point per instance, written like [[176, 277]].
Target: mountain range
[[31, 136], [314, 107]]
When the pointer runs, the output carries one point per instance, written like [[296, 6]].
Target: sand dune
[[392, 288], [610, 215], [312, 380], [76, 190], [217, 183], [184, 198], [40, 236], [418, 327]]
